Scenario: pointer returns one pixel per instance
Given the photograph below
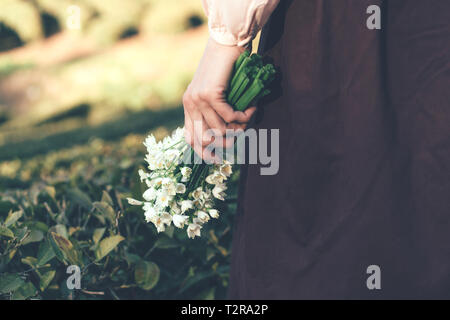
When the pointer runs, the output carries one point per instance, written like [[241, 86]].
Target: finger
[[227, 113], [188, 128], [223, 142], [196, 126], [236, 126], [250, 111], [188, 121], [204, 135], [205, 153], [213, 120]]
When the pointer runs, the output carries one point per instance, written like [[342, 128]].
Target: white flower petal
[[186, 205], [179, 220], [214, 213], [203, 216], [134, 202], [193, 230]]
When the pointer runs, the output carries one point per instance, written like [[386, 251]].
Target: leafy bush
[[68, 207]]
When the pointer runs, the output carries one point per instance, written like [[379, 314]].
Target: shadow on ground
[[138, 122]]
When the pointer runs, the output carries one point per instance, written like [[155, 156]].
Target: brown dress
[[364, 176]]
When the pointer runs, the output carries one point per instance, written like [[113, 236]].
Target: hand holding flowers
[[182, 192]]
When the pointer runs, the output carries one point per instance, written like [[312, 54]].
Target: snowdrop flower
[[155, 162], [180, 188], [197, 193], [143, 175], [218, 191], [170, 156], [149, 212], [157, 182], [166, 218], [214, 213], [198, 203], [159, 164], [166, 182], [178, 134], [150, 142], [226, 170], [162, 199], [208, 204], [207, 194], [147, 206], [175, 208], [170, 189], [215, 178], [159, 224], [193, 230], [150, 194], [185, 173], [202, 216], [186, 205], [149, 183], [134, 202], [179, 220]]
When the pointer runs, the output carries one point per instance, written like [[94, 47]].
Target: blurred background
[[82, 82]]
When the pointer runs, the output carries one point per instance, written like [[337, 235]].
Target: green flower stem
[[243, 86], [195, 176], [240, 59], [203, 175], [239, 71], [252, 92], [234, 96]]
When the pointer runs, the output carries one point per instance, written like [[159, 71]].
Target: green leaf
[[10, 282], [4, 231], [70, 253], [98, 234], [56, 250], [105, 210], [193, 279], [13, 217], [132, 258], [146, 274], [165, 242], [37, 225], [107, 198], [33, 236], [100, 217], [24, 292], [46, 278], [60, 229], [45, 253], [79, 197], [106, 245], [21, 233], [30, 261]]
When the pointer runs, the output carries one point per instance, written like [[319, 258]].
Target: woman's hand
[[204, 101]]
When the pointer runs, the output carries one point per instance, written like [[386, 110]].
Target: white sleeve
[[236, 22]]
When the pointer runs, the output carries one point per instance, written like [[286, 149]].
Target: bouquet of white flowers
[[182, 192]]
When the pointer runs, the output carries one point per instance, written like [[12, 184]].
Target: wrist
[[233, 51]]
